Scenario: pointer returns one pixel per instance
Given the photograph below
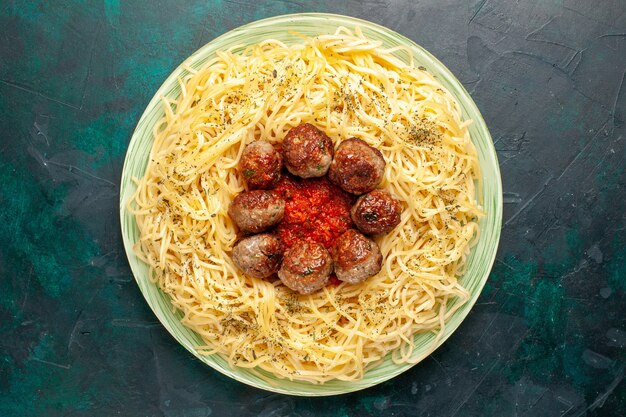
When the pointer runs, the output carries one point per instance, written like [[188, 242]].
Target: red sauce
[[315, 210], [333, 280]]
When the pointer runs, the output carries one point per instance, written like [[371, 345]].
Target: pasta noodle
[[347, 86]]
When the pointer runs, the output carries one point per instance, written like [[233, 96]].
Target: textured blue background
[[548, 335]]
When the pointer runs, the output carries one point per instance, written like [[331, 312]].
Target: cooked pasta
[[347, 86]]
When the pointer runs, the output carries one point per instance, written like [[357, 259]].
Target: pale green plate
[[312, 24]]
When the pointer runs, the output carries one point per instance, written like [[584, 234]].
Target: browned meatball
[[255, 211], [306, 267], [376, 212], [260, 165], [307, 150], [356, 257], [258, 256], [357, 167]]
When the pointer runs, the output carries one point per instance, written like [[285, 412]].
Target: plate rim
[[342, 20]]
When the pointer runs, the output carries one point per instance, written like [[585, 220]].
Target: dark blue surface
[[546, 338]]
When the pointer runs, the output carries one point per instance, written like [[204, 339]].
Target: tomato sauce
[[315, 210]]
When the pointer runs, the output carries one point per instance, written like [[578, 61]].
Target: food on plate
[[306, 267], [355, 257], [307, 150], [255, 211], [349, 119], [260, 165], [315, 210], [259, 255], [357, 167], [316, 218], [376, 212]]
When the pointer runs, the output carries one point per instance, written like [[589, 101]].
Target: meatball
[[258, 256], [357, 167], [356, 257], [376, 212], [307, 150], [255, 211], [260, 165], [306, 267]]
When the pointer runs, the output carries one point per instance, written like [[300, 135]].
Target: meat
[[255, 211], [306, 267], [258, 256], [301, 261], [307, 151], [376, 212], [355, 257], [357, 167], [260, 165]]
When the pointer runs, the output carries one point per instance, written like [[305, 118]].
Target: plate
[[283, 28]]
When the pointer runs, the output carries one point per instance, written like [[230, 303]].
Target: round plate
[[283, 28]]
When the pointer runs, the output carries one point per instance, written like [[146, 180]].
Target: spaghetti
[[347, 86]]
